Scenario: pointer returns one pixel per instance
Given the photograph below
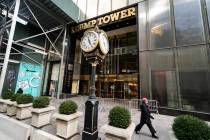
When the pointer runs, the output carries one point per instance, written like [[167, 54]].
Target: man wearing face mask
[[145, 118]]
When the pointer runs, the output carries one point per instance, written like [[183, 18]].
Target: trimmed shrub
[[7, 95], [68, 107], [24, 99], [119, 117], [41, 102], [14, 96], [187, 127]]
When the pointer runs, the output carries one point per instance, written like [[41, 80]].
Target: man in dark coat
[[145, 118]]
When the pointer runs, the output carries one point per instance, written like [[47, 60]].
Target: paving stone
[[161, 123]]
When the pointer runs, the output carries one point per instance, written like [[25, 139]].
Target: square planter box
[[114, 133], [3, 105], [11, 108], [23, 111], [41, 116], [67, 125]]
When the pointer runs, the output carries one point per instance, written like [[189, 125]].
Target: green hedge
[[187, 127], [24, 99], [14, 96], [7, 95], [119, 117], [41, 102], [68, 107]]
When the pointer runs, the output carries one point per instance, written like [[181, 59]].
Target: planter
[[67, 125], [11, 108], [114, 133], [3, 105], [24, 111], [41, 116]]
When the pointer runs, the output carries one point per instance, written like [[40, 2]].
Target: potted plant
[[120, 126], [11, 105], [5, 97], [41, 111], [186, 127], [67, 119], [24, 105]]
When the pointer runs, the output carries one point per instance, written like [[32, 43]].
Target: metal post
[[92, 86], [9, 45], [62, 66]]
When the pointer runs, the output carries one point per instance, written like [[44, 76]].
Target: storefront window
[[117, 75], [163, 78], [160, 24], [104, 6], [194, 82], [188, 22], [116, 4]]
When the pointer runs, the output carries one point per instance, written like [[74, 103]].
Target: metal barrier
[[130, 104]]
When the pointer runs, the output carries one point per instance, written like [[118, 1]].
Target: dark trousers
[[149, 125]]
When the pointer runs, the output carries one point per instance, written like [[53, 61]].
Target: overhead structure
[[46, 15]]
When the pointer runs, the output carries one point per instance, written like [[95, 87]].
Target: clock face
[[104, 43], [89, 41]]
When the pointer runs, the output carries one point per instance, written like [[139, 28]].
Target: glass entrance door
[[118, 73]]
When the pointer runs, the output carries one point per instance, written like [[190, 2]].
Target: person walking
[[145, 119]]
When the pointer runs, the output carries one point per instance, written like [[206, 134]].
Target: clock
[[104, 43], [89, 41]]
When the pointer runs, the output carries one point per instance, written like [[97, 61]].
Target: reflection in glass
[[144, 75], [116, 4], [134, 1], [142, 19], [82, 7], [117, 75], [194, 83], [160, 24], [92, 8], [163, 78], [104, 6], [188, 22]]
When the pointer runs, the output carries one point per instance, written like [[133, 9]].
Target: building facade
[[160, 52], [159, 49]]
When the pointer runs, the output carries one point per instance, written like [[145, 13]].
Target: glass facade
[[174, 53], [117, 75], [164, 57], [93, 8]]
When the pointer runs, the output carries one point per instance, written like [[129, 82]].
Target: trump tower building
[[159, 49]]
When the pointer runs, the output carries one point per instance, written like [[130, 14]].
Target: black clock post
[[90, 131]]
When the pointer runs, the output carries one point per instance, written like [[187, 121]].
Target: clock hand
[[89, 41]]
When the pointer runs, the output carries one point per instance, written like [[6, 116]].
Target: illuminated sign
[[29, 79], [106, 19]]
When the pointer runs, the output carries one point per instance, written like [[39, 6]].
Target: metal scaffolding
[[16, 8]]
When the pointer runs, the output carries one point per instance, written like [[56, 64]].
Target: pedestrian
[[145, 119], [20, 91]]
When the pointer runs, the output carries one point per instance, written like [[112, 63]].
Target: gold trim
[[100, 42]]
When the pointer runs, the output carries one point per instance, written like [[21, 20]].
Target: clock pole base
[[90, 136]]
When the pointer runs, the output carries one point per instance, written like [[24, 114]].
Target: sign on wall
[[29, 79]]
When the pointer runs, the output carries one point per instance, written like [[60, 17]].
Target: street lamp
[[95, 46]]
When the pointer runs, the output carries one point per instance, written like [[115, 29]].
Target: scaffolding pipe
[[9, 45], [62, 65]]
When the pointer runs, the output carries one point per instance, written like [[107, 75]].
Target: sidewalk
[[161, 123]]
